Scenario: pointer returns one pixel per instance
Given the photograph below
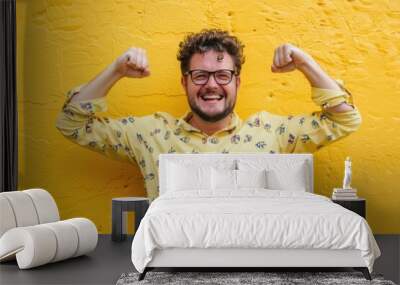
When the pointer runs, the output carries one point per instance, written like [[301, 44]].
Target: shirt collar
[[183, 122]]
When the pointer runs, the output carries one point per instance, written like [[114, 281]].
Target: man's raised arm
[[288, 58], [79, 123], [336, 119], [133, 63]]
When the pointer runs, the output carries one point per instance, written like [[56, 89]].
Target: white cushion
[[67, 240], [226, 179], [46, 207], [251, 178], [293, 179], [7, 218], [23, 208], [223, 179], [87, 234], [187, 177], [281, 175], [26, 208]]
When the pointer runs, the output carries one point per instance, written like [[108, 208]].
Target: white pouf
[[31, 232]]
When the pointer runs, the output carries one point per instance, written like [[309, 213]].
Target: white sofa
[[31, 231]]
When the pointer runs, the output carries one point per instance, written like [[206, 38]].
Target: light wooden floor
[[111, 259]]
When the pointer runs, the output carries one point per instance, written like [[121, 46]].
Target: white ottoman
[[31, 232]]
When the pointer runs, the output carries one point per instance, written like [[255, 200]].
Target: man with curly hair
[[210, 63]]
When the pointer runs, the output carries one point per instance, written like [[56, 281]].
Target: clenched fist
[[132, 63], [288, 57]]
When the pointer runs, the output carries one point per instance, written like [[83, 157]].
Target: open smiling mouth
[[212, 97]]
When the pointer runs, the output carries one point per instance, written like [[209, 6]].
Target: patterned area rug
[[243, 278]]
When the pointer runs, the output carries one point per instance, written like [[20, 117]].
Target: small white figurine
[[347, 174]]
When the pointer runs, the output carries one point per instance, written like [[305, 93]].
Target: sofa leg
[[143, 274], [364, 271]]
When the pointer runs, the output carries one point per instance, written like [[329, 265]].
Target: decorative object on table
[[347, 192], [358, 205], [248, 278], [119, 208], [31, 231], [347, 174]]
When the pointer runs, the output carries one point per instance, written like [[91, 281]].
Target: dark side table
[[119, 208], [357, 205]]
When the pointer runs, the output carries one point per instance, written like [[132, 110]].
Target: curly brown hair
[[210, 39]]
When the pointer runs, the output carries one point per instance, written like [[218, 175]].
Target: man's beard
[[211, 118]]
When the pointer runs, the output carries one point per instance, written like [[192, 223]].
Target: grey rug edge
[[272, 278]]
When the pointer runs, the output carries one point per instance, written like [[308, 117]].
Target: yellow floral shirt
[[141, 139]]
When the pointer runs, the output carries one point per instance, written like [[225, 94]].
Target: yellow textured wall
[[64, 43]]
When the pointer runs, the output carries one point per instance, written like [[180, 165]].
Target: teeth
[[211, 97]]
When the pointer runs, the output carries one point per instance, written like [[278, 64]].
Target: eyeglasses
[[201, 77]]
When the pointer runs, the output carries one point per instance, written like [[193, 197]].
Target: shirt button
[[213, 140]]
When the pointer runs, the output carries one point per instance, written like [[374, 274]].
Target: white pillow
[[251, 178], [281, 174], [183, 177], [223, 179], [294, 179]]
